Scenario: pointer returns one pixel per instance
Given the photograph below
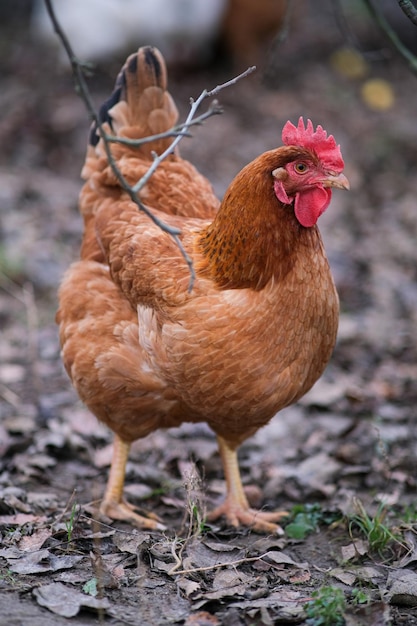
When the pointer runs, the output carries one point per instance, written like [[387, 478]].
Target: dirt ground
[[349, 446]]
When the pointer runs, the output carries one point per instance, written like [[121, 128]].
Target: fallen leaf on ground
[[228, 583], [375, 614], [346, 577], [354, 550], [20, 519], [65, 601], [286, 604], [280, 557], [43, 561], [189, 587], [200, 555], [402, 587], [36, 540]]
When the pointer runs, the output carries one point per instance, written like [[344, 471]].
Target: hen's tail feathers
[[139, 106]]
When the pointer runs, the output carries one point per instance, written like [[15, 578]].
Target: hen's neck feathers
[[254, 237]]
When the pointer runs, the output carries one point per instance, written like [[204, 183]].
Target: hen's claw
[[125, 512], [239, 515]]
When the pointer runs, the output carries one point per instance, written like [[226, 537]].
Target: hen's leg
[[236, 508], [113, 504]]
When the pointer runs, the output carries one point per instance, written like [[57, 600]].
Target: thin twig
[[392, 36], [177, 557], [172, 132], [409, 9], [229, 83], [178, 132], [338, 8], [195, 104], [213, 110], [70, 502], [208, 568]]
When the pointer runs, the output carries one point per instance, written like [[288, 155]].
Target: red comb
[[324, 146]]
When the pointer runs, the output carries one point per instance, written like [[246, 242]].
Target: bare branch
[[213, 110], [175, 571], [232, 81], [338, 8], [175, 131], [392, 36], [409, 9]]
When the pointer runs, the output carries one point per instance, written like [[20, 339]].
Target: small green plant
[[198, 519], [359, 596], [375, 530], [90, 587], [69, 524], [305, 519], [326, 607]]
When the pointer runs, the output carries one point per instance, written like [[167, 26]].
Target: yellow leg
[[236, 508], [113, 504]]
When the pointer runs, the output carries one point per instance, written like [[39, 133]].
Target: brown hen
[[259, 325]]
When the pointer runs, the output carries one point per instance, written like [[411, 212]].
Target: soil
[[341, 461]]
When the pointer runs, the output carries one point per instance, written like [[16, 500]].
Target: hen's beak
[[336, 180]]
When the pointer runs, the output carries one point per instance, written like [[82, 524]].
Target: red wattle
[[309, 205]]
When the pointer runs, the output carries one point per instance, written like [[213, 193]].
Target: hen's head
[[314, 166]]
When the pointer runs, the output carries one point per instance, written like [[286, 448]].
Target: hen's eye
[[301, 168]]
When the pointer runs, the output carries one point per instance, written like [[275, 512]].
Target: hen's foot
[[236, 508], [126, 512], [240, 515]]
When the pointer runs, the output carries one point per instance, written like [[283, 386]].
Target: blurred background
[[325, 60]]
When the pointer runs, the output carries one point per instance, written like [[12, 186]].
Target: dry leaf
[[65, 601], [189, 587], [354, 550], [299, 576], [277, 556], [228, 583], [43, 561], [402, 587], [20, 519], [35, 541], [375, 614], [345, 576], [132, 542]]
